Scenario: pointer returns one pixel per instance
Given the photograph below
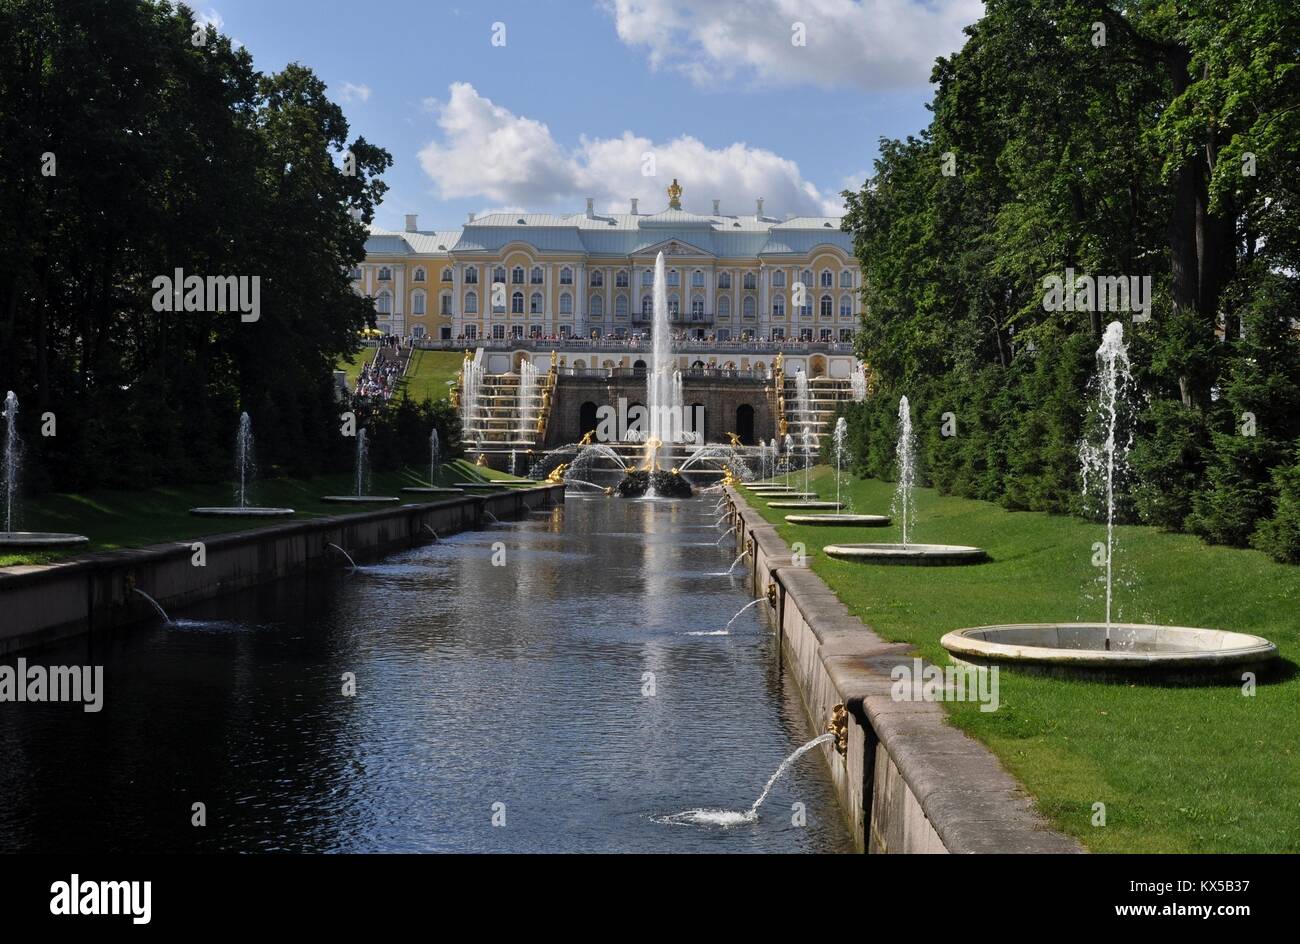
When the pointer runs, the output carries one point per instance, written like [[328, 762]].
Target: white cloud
[[355, 93], [870, 44], [487, 151], [209, 18]]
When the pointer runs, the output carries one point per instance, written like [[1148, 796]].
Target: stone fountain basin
[[843, 521], [933, 554], [805, 504], [32, 539], [802, 496], [433, 490], [359, 499], [250, 512], [1079, 648]]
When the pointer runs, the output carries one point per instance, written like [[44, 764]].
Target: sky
[[537, 105]]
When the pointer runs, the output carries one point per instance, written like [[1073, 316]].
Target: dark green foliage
[[1280, 535]]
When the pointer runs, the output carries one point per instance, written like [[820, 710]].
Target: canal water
[[562, 675]]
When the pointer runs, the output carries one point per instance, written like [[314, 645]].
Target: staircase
[[824, 396], [505, 413]]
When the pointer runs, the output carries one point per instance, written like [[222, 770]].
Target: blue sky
[[781, 99]]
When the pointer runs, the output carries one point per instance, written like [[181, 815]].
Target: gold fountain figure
[[557, 474], [735, 440], [587, 438]]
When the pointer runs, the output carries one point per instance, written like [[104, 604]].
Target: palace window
[[778, 279], [751, 281], [674, 306], [846, 306], [647, 306], [471, 332], [446, 274], [384, 303], [620, 278], [471, 303], [535, 303], [697, 307], [846, 279], [674, 278], [620, 306], [417, 331], [385, 274], [750, 306], [697, 279], [471, 275], [517, 303], [534, 331], [597, 278], [517, 275], [566, 276], [647, 277], [596, 305], [418, 276], [446, 303], [536, 277], [826, 308], [724, 307], [825, 334], [417, 303], [778, 306], [499, 332], [516, 331], [499, 274], [828, 280], [566, 303], [724, 280], [807, 278]]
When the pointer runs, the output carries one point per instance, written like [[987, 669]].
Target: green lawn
[[1179, 769], [430, 372], [352, 365], [116, 519]]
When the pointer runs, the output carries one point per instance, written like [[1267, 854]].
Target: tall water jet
[[12, 457], [1104, 459], [471, 379], [839, 442], [245, 458], [904, 506], [858, 383], [435, 455], [361, 477], [527, 406]]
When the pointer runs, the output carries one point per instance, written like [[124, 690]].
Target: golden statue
[[587, 438], [557, 474], [455, 396], [783, 427], [735, 440], [779, 366], [481, 460], [674, 195], [468, 355], [555, 358]]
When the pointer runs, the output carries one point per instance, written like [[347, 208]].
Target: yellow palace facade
[[589, 275]]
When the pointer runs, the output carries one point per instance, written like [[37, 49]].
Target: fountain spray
[[245, 458], [840, 438], [905, 456], [12, 457]]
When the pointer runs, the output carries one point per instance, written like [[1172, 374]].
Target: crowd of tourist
[[378, 379]]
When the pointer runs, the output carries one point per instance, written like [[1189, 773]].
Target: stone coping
[[971, 801]]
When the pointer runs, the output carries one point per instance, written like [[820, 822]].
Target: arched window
[[647, 277], [517, 275], [535, 303], [674, 306], [446, 274], [828, 280], [384, 303], [647, 306], [778, 306], [778, 278], [697, 307], [385, 274], [620, 278], [806, 277], [724, 307], [724, 280], [597, 278], [499, 274], [471, 303], [445, 303], [697, 279], [826, 309], [471, 275], [419, 274], [566, 276], [417, 303], [749, 306], [517, 303], [566, 303], [846, 306], [620, 306], [536, 277], [674, 278], [596, 305], [846, 279], [751, 281]]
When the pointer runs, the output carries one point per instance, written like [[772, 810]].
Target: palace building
[[586, 275]]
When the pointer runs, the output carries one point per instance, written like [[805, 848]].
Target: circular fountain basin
[[359, 499], [242, 512], [801, 496], [432, 490], [37, 539], [805, 504], [842, 521], [1171, 653], [932, 554]]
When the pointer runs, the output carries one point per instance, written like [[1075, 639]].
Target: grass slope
[[1179, 770]]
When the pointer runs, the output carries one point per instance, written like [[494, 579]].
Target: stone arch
[[745, 423], [587, 418]]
